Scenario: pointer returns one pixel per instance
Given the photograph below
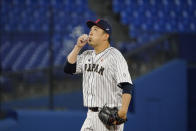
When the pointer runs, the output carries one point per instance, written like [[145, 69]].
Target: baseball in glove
[[109, 115]]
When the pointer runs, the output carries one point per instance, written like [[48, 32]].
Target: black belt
[[94, 109]]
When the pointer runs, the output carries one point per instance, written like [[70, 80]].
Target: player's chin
[[90, 43]]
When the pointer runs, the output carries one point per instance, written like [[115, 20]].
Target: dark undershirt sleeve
[[69, 68], [126, 87]]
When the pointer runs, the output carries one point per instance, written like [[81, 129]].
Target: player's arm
[[70, 65], [123, 78], [126, 98], [72, 57]]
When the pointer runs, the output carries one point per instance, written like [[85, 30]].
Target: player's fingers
[[79, 40], [82, 40], [85, 37]]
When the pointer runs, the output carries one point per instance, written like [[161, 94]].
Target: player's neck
[[101, 48]]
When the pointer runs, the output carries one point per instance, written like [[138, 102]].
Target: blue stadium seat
[[37, 56], [43, 3], [13, 54], [23, 58], [124, 17], [116, 6], [44, 63], [6, 46], [192, 27], [31, 2]]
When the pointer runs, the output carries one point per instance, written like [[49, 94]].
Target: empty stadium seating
[[67, 18], [146, 20], [157, 16], [149, 19], [34, 15]]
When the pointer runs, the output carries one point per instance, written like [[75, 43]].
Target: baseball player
[[106, 79]]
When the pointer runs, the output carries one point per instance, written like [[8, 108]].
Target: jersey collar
[[102, 51]]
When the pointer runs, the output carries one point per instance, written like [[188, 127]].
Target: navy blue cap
[[101, 24]]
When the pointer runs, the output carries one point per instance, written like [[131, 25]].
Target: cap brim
[[92, 23]]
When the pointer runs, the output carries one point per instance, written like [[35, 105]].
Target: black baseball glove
[[109, 115]]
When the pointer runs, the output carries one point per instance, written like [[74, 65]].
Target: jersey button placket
[[90, 95], [92, 83]]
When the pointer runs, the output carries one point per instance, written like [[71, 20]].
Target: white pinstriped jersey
[[101, 74]]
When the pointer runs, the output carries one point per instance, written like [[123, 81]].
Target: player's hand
[[122, 114], [82, 40]]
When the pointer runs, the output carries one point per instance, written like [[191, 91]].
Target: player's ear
[[106, 36]]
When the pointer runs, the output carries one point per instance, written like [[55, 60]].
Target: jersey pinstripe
[[101, 75]]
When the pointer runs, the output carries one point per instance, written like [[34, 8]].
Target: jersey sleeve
[[79, 64], [121, 71]]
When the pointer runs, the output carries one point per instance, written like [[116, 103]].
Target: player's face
[[97, 36]]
